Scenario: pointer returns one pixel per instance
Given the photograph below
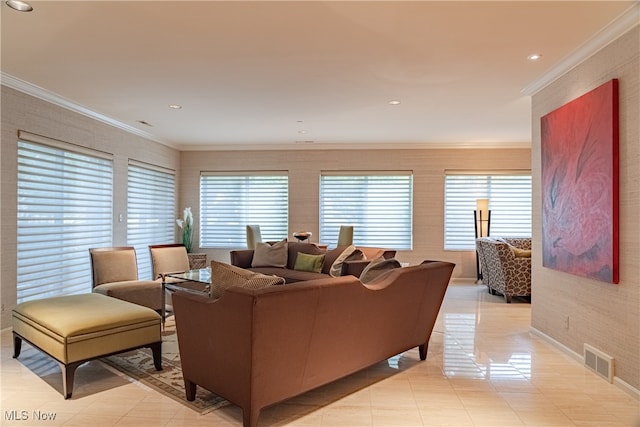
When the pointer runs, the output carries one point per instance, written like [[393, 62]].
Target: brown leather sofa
[[243, 258], [259, 347]]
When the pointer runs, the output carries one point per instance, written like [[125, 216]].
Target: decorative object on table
[[579, 147], [302, 235], [197, 261], [482, 226], [186, 224]]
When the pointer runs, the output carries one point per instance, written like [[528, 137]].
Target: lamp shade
[[482, 207]]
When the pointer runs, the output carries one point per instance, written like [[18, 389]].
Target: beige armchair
[[169, 258], [345, 235], [166, 259], [254, 236], [114, 272]]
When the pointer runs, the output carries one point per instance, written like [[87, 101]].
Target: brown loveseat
[[259, 347], [243, 259]]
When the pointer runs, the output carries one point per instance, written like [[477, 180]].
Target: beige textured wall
[[603, 315], [305, 166], [24, 112]]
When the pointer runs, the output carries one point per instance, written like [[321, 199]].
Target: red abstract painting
[[580, 185]]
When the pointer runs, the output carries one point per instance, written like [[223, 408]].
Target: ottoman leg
[[17, 345], [156, 350], [68, 373]]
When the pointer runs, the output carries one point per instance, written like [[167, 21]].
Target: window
[[64, 208], [230, 201], [378, 204], [150, 211], [510, 204]]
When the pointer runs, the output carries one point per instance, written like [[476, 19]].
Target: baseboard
[[624, 386]]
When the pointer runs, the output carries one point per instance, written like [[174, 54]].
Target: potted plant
[[196, 261]]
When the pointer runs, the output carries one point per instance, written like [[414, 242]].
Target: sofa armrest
[[373, 252], [354, 268], [241, 258]]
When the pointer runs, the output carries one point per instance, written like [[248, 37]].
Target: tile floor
[[484, 368]]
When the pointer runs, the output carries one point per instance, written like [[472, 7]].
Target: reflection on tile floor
[[484, 368]]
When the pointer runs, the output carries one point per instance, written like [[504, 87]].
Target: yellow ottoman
[[77, 328]]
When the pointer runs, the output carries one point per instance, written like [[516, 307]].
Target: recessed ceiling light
[[21, 6], [394, 102], [175, 106], [534, 57], [302, 131]]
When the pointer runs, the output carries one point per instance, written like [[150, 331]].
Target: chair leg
[[17, 345]]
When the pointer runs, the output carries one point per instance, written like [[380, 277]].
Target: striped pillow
[[225, 276]]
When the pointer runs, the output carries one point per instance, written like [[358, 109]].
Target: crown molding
[[332, 146], [619, 26], [53, 98]]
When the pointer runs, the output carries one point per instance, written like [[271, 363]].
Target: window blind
[[509, 195], [151, 211], [378, 204], [65, 198], [230, 201]]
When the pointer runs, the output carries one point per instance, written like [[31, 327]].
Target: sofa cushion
[[266, 255], [330, 256], [294, 248], [520, 253], [225, 276], [349, 253], [308, 262], [377, 268]]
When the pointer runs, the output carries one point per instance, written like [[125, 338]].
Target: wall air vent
[[598, 362]]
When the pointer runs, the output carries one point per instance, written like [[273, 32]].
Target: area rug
[[138, 364]]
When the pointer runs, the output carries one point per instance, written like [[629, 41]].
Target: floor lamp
[[482, 224]]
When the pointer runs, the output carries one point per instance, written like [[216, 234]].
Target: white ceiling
[[256, 74]]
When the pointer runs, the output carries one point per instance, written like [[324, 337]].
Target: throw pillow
[[308, 262], [349, 254], [377, 268], [225, 276], [266, 255], [520, 253]]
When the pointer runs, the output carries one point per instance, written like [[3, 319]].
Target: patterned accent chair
[[506, 265]]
